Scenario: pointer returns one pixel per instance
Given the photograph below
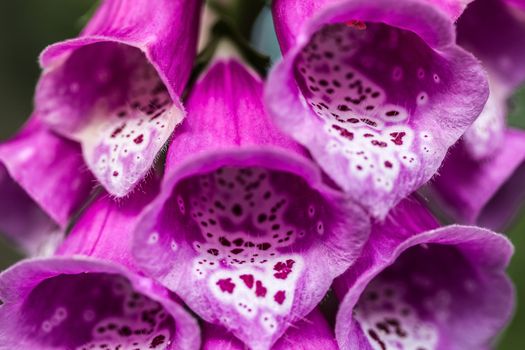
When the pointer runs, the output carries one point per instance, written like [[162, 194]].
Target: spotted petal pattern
[[89, 304], [309, 334], [418, 286], [377, 91], [236, 228], [115, 89]]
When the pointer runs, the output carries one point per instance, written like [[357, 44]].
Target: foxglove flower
[[312, 333], [488, 192], [500, 46], [482, 180], [376, 90], [420, 286], [99, 301], [42, 184], [245, 230], [115, 89]]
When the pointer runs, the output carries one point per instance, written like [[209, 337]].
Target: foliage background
[[27, 26]]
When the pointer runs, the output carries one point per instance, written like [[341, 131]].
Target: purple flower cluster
[[163, 212]]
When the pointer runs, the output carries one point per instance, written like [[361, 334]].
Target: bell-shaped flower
[[481, 181], [90, 296], [376, 90], [43, 182], [246, 230], [115, 89], [421, 286], [311, 333]]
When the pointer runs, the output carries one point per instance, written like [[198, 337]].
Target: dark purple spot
[[213, 251], [224, 241], [398, 137], [260, 290], [380, 144], [248, 280], [118, 130], [237, 210], [226, 285], [283, 269], [158, 340], [279, 297], [264, 246]]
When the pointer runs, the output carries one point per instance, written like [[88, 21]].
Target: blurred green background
[[27, 26]]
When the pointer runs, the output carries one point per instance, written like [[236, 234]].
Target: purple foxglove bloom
[[115, 89], [42, 183], [420, 286], [245, 230], [311, 333], [376, 90], [83, 303], [482, 180], [92, 297], [487, 192], [501, 48]]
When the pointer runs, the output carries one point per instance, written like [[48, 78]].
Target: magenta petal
[[93, 293], [23, 221], [245, 230], [487, 192], [377, 91], [105, 228], [312, 333], [499, 45], [74, 303], [485, 137], [291, 15], [43, 184], [501, 48], [419, 286], [116, 88]]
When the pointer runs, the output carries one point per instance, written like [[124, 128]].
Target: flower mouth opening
[[413, 302], [244, 233], [95, 311], [368, 83], [112, 76], [109, 97]]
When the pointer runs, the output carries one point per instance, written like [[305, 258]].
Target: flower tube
[[245, 230], [421, 286], [115, 89], [376, 90], [481, 181], [43, 183], [91, 296]]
